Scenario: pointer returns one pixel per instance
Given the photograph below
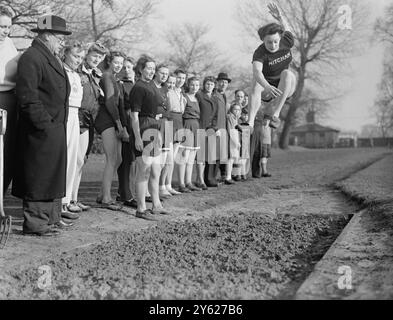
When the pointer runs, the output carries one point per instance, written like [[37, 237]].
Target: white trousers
[[72, 151], [83, 145]]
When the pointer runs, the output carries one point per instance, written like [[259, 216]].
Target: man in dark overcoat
[[42, 91], [220, 99]]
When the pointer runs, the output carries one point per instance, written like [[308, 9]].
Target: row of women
[[148, 122]]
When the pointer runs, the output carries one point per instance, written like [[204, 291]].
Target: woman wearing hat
[[8, 67]]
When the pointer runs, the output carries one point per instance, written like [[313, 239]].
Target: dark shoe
[[69, 215], [47, 233], [131, 203], [201, 186], [266, 175], [146, 215], [183, 189], [164, 196], [118, 198], [274, 122], [256, 177], [63, 225], [160, 211], [212, 184], [244, 178], [111, 206], [229, 182], [150, 199], [237, 178], [192, 187]]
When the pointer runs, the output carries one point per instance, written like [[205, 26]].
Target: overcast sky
[[350, 113]]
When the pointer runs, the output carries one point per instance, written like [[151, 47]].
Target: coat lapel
[[51, 58]]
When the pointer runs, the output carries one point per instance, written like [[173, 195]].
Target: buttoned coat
[[42, 91], [207, 110]]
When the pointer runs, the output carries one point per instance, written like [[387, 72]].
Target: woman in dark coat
[[208, 109]]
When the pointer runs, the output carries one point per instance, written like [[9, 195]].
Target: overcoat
[[207, 108], [42, 91]]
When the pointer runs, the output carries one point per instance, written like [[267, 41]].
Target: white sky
[[350, 113]]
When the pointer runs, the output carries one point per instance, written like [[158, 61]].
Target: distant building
[[347, 140], [313, 135]]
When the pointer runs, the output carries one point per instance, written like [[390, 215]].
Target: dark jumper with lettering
[[277, 62]]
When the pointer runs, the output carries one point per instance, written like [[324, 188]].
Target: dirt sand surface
[[299, 186], [365, 248]]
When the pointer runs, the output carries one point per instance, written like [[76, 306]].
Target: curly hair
[[72, 45], [111, 56], [270, 29], [97, 47], [141, 64]]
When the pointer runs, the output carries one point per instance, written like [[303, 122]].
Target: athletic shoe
[[83, 206], [131, 203], [274, 122], [183, 189], [191, 187], [201, 186], [74, 208], [173, 192], [160, 211], [146, 215]]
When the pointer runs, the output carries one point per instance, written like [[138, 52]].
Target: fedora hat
[[52, 23], [223, 76]]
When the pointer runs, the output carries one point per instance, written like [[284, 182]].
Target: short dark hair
[[130, 60], [111, 56], [162, 65], [5, 11], [270, 29], [141, 64], [191, 79], [177, 71], [207, 79]]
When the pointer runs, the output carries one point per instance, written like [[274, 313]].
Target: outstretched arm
[[276, 14]]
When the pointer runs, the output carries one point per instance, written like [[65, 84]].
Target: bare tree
[[191, 51], [26, 13], [111, 21], [384, 25], [322, 45], [114, 22], [383, 106]]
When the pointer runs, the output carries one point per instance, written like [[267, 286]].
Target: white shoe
[[173, 192]]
